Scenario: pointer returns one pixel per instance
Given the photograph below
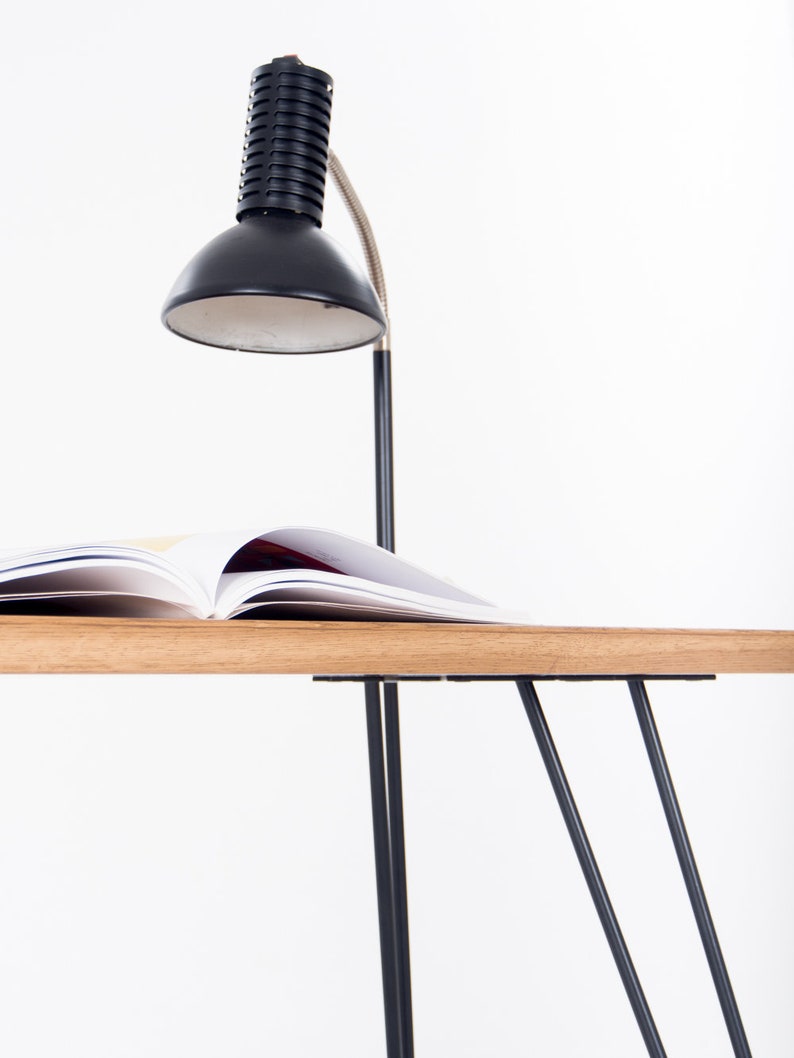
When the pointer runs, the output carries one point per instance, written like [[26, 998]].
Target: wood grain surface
[[115, 645]]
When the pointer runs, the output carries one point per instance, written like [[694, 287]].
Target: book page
[[335, 552], [91, 571], [304, 589], [205, 555]]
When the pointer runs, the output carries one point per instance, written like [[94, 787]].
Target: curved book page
[[141, 583]]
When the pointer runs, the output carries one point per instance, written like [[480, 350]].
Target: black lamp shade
[[276, 283]]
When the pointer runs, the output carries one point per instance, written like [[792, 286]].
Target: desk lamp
[[276, 283]]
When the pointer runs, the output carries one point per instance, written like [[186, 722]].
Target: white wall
[[586, 219]]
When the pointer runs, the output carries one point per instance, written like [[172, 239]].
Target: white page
[[240, 592], [205, 555], [361, 559], [98, 604], [135, 574], [20, 558]]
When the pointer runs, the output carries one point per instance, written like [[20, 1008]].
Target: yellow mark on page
[[155, 543]]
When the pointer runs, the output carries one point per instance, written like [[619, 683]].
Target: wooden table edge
[[140, 645]]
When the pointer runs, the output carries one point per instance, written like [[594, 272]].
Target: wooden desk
[[378, 650], [115, 645]]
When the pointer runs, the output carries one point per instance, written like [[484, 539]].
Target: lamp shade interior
[[272, 324]]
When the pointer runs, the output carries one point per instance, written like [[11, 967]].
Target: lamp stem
[[384, 445], [366, 236]]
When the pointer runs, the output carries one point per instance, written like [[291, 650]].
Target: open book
[[281, 573]]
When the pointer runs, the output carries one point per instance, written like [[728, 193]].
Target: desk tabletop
[[364, 648]]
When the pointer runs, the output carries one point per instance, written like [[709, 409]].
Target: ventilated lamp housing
[[275, 282]]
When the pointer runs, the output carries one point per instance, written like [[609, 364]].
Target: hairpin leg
[[390, 874], [686, 859], [399, 882], [383, 877], [595, 882]]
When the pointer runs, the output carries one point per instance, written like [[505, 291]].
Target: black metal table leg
[[399, 876], [390, 871], [383, 872], [587, 861], [686, 859]]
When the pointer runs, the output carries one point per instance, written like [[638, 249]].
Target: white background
[[586, 219]]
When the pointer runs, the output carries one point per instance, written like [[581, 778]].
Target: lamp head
[[275, 282]]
